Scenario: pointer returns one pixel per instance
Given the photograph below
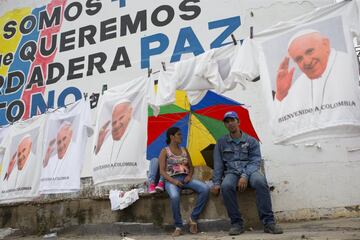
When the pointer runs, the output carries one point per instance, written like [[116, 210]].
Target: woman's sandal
[[192, 226], [177, 232]]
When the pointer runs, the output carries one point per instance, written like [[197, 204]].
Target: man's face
[[232, 124], [23, 152], [121, 116], [311, 53], [63, 140]]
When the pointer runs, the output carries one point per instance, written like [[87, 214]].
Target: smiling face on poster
[[59, 139], [23, 151], [310, 51], [117, 123], [312, 77], [120, 118], [21, 158], [63, 139]]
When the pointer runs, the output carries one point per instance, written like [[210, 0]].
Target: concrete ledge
[[42, 216], [319, 214]]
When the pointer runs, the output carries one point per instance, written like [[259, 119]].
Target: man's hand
[[49, 151], [10, 167], [283, 79], [215, 190], [187, 179], [242, 184], [102, 134]]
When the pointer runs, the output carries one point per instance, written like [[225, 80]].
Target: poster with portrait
[[121, 134], [21, 164], [312, 75], [66, 133]]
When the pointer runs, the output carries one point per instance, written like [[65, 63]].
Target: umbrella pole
[[188, 133]]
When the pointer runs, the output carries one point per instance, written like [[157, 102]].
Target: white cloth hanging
[[66, 133], [120, 199], [246, 65], [121, 134], [22, 148], [323, 98], [210, 70]]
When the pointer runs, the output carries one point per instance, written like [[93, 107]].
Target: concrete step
[[126, 228]]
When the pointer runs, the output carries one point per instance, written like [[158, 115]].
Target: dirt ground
[[337, 229]]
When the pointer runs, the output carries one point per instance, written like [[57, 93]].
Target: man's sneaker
[[273, 229], [236, 230], [160, 186], [151, 188]]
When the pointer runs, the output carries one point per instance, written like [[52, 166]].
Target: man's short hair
[[230, 114]]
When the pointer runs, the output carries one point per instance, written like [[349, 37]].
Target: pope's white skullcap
[[25, 137], [65, 124], [301, 33], [123, 100]]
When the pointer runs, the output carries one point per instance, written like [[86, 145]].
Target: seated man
[[236, 164]]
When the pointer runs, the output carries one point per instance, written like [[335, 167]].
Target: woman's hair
[[171, 132]]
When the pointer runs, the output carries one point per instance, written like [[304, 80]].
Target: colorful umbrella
[[201, 124]]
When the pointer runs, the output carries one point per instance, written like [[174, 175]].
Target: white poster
[[66, 134], [121, 134], [21, 167], [312, 74]]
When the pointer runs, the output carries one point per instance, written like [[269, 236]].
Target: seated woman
[[156, 182], [177, 169]]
